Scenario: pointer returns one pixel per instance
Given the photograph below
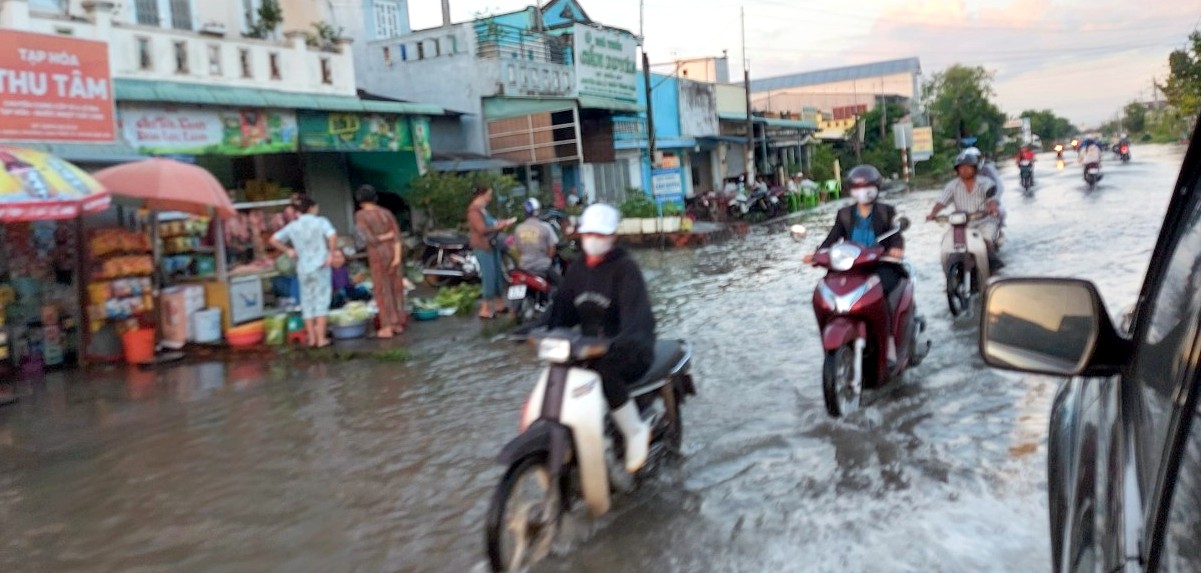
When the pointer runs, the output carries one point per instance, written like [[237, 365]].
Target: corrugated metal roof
[[201, 94], [902, 66]]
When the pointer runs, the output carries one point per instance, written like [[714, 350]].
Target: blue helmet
[[532, 206]]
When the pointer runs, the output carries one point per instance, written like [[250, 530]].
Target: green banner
[[421, 138], [331, 131]]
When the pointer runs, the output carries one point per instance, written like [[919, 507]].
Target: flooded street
[[375, 466]]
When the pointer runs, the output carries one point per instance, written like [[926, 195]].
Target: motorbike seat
[[668, 356], [447, 240]]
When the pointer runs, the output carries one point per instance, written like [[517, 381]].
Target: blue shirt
[[863, 233]]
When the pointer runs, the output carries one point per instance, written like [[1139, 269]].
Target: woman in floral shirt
[[312, 241]]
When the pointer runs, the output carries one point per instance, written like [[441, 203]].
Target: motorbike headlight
[[957, 218], [556, 350], [842, 257]]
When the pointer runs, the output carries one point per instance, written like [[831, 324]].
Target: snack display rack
[[39, 294]]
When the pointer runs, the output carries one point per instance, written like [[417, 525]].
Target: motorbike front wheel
[[839, 388], [520, 530], [958, 290], [431, 262]]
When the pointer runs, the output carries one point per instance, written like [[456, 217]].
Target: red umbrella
[[168, 185]]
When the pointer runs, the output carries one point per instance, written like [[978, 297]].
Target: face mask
[[596, 246], [865, 195]]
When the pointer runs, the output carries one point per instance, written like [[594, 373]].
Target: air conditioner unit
[[214, 28]]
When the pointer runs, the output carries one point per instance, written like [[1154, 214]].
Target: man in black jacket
[[606, 297], [862, 223]]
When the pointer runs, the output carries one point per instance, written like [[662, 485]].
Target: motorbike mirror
[[798, 232], [903, 223]]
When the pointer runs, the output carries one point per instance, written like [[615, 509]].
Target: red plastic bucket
[[138, 345]]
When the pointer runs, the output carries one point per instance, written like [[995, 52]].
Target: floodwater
[[376, 466]]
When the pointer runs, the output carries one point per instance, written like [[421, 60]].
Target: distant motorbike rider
[[536, 242], [971, 193], [1090, 153], [606, 297], [1026, 153], [862, 223]]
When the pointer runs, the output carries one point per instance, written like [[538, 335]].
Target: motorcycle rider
[[861, 223], [989, 170], [606, 296], [1090, 153], [1026, 153], [536, 242], [971, 193]]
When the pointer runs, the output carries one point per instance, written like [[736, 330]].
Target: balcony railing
[[498, 41]]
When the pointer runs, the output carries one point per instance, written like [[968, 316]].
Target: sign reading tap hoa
[[605, 65], [54, 88]]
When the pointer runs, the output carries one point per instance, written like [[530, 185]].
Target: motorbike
[[449, 259], [1027, 170], [853, 315], [702, 206], [529, 295], [1123, 152], [1092, 175], [763, 203], [965, 262], [1059, 152], [569, 450]]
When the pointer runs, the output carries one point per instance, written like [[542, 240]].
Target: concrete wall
[[865, 89], [731, 99], [665, 103], [300, 67], [698, 109]]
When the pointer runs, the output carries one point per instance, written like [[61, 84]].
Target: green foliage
[[270, 16], [460, 297], [639, 205], [445, 195], [1183, 87], [1134, 117], [822, 166], [959, 100], [1048, 126], [323, 35], [672, 209]]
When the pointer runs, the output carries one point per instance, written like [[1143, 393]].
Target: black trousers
[[890, 277], [621, 368]]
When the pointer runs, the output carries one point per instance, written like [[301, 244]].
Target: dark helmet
[[863, 176], [966, 158]]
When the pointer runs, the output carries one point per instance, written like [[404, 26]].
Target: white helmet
[[599, 219]]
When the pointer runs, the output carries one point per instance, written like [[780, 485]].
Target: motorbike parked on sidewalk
[[449, 259], [569, 450], [702, 206], [854, 315], [1026, 167], [1092, 175], [965, 262]]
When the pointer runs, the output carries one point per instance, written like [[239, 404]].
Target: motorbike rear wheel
[[839, 389], [958, 289], [675, 422], [431, 262], [520, 533]]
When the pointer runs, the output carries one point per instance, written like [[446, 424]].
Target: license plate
[[517, 292], [1093, 171]]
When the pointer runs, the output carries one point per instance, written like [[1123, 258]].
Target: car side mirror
[[903, 224], [1049, 326], [798, 232]]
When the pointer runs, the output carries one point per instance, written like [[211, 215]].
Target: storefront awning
[[467, 162], [738, 139], [97, 153], [770, 122], [509, 107], [593, 102], [201, 94], [663, 143]]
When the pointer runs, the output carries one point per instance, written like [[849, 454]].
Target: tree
[[1134, 117], [960, 105], [1183, 88], [878, 151], [270, 16], [1048, 126]]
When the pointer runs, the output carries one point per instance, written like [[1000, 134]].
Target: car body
[[1124, 442]]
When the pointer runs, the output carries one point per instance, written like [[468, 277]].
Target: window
[[421, 50], [327, 71], [58, 6], [404, 53], [244, 58], [145, 55], [1163, 358], [250, 12], [147, 11], [453, 43], [437, 47], [214, 59], [273, 61], [611, 180], [1181, 552], [387, 19], [181, 57], [181, 14], [387, 55]]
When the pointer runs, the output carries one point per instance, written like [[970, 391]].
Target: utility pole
[[650, 107], [883, 112], [750, 123]]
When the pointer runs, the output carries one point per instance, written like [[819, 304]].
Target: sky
[[1084, 59]]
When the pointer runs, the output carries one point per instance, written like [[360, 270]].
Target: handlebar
[[970, 216]]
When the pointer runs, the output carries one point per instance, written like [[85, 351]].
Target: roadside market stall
[[42, 270]]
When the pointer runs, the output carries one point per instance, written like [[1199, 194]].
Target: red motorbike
[[854, 314], [529, 295]]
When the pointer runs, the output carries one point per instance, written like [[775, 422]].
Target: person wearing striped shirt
[[972, 194]]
